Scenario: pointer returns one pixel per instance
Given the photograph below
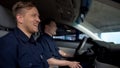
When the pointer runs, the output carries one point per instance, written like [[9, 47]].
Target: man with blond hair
[[18, 48]]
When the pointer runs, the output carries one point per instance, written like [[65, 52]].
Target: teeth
[[36, 25]]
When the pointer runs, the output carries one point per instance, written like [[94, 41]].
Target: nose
[[38, 19], [56, 28]]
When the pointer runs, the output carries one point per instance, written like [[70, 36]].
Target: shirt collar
[[47, 35], [32, 40], [19, 34]]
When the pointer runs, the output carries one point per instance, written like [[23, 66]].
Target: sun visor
[[7, 20]]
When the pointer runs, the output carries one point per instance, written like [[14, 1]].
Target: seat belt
[[5, 28]]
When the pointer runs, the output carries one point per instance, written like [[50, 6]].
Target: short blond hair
[[19, 6]]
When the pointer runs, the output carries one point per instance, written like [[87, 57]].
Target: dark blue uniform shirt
[[19, 51], [49, 46]]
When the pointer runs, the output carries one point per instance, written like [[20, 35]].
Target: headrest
[[2, 33], [6, 18]]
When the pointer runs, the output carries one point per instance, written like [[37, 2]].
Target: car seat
[[103, 65], [7, 21]]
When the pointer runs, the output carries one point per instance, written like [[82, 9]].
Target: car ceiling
[[103, 14]]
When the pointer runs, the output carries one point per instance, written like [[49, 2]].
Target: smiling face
[[51, 28], [28, 20], [31, 20]]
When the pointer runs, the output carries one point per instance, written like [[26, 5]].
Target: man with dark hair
[[18, 49], [48, 27]]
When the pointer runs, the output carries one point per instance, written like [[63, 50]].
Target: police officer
[[18, 49], [48, 27]]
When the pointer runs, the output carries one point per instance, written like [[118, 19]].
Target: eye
[[33, 15]]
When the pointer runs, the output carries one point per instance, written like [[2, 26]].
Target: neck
[[47, 32], [28, 34]]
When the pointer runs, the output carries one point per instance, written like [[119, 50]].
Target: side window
[[65, 32]]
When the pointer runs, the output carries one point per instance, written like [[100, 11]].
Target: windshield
[[111, 37]]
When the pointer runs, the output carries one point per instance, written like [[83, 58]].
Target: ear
[[19, 18], [46, 26]]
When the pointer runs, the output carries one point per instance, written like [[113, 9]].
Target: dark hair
[[19, 6], [45, 22]]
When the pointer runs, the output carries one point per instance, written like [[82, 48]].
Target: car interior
[[89, 52]]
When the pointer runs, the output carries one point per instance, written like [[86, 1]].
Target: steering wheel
[[82, 48]]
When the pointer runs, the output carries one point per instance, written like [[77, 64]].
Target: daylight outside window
[[111, 37]]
